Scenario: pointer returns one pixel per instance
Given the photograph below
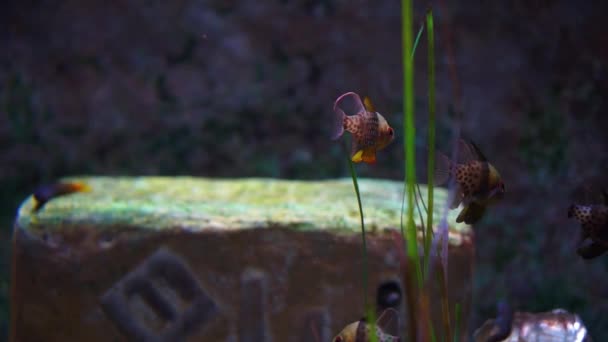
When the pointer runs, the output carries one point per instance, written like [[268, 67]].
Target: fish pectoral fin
[[588, 249], [388, 322], [357, 156], [442, 170], [457, 198], [471, 213]]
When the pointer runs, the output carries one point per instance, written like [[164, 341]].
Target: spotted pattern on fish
[[371, 129], [593, 220], [353, 124], [363, 334], [470, 176], [365, 130]]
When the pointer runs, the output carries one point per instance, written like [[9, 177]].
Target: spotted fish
[[369, 129], [478, 183], [593, 219], [386, 329]]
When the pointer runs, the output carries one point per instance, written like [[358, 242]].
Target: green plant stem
[[418, 35], [410, 134], [457, 319], [445, 309], [353, 174], [431, 137], [420, 30]]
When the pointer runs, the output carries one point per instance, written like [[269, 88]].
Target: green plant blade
[[431, 137]]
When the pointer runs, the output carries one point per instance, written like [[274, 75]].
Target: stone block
[[191, 259]]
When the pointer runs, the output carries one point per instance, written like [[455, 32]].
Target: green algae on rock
[[199, 203]]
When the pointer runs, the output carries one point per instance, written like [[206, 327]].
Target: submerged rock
[[212, 260]]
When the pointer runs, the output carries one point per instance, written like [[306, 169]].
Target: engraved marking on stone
[[315, 325], [170, 302], [252, 324]]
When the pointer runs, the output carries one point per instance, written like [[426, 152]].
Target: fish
[[386, 329], [45, 193], [498, 329], [369, 129], [550, 326], [593, 218], [478, 182]]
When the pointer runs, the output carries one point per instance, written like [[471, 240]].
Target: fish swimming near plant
[[45, 193], [478, 183], [386, 329], [369, 129], [593, 218]]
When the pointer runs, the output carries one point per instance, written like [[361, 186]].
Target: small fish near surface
[[386, 329], [45, 193], [593, 218], [369, 129], [478, 183]]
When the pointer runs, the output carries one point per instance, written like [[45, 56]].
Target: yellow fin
[[358, 157], [369, 156], [368, 104]]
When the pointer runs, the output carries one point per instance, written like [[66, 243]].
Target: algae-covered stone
[[210, 260]]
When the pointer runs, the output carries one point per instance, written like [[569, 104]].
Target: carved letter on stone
[[161, 300]]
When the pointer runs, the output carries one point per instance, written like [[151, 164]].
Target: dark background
[[243, 88]]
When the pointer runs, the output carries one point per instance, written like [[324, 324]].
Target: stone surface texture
[[258, 259]]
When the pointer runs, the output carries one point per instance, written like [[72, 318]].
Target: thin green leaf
[[457, 318], [431, 137], [353, 175], [410, 134]]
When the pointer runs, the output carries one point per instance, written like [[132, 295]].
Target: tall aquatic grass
[[409, 138], [416, 277], [431, 138], [369, 311]]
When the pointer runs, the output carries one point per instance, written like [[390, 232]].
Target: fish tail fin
[[443, 167], [589, 249], [471, 213], [338, 123], [80, 187]]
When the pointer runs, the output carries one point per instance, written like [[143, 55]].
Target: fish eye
[[338, 339], [390, 131]]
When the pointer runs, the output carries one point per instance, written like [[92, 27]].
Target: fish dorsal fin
[[388, 322], [464, 152], [349, 103], [368, 104], [361, 333], [474, 153]]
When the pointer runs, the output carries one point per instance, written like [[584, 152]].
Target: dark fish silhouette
[[45, 193]]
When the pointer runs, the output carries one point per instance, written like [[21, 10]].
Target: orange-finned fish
[[47, 192], [478, 183], [594, 227], [387, 326], [370, 131]]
